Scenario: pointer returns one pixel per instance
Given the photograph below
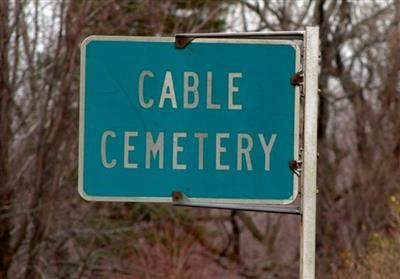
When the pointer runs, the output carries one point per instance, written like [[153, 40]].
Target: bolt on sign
[[216, 120]]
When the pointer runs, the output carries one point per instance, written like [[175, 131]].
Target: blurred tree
[[40, 212]]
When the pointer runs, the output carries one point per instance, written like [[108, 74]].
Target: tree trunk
[[5, 103]]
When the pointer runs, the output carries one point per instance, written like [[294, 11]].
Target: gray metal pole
[[309, 190]]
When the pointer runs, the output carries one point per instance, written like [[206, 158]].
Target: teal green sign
[[216, 120]]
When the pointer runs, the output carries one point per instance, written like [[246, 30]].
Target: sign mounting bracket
[[184, 39], [180, 199]]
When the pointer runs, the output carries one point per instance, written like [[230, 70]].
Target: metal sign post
[[309, 175], [309, 164]]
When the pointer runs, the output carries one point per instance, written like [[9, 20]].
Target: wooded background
[[48, 231]]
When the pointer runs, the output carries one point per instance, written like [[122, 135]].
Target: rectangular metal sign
[[216, 120]]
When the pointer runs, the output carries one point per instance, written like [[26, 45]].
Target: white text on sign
[[155, 143], [191, 93], [155, 150]]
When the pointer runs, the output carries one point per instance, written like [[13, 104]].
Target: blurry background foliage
[[48, 231]]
